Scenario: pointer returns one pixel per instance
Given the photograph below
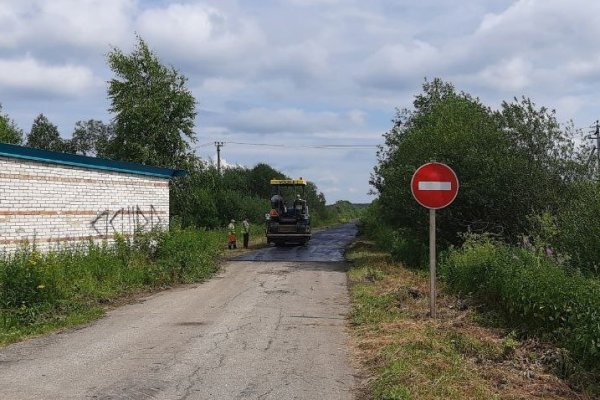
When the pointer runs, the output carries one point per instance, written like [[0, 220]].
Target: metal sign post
[[432, 259], [434, 186]]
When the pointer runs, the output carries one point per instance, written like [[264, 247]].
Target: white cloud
[[292, 120], [222, 86], [314, 2], [584, 68], [542, 30], [395, 66], [213, 40], [302, 63], [509, 75], [357, 117], [543, 49], [569, 105], [82, 23], [31, 75]]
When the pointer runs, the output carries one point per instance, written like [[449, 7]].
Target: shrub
[[578, 228], [409, 250], [21, 280], [187, 255], [403, 245], [36, 286], [372, 226], [531, 291]]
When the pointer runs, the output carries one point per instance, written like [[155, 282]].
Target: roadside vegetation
[[406, 355], [40, 292], [343, 211], [520, 242]]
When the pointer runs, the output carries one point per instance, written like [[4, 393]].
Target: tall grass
[[532, 292], [403, 245], [47, 289]]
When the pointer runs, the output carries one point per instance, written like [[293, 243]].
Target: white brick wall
[[54, 204]]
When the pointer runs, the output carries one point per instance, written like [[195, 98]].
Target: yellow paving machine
[[288, 221]]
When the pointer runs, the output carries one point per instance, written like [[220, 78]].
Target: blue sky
[[302, 72]]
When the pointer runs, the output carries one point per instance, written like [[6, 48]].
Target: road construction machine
[[288, 221]]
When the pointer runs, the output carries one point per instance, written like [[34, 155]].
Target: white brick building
[[53, 198]]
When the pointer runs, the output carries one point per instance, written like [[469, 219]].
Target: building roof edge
[[76, 160]]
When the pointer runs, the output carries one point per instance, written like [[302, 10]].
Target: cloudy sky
[[302, 72]]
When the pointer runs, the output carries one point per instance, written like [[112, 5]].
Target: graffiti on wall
[[126, 220]]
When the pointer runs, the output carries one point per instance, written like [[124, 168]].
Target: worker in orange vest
[[231, 238]]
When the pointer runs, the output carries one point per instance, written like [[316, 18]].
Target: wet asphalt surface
[[325, 246]]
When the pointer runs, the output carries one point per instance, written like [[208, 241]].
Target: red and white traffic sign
[[434, 185]]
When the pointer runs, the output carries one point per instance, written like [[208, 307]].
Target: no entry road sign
[[434, 185]]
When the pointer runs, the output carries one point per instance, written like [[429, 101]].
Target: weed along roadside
[[462, 354], [44, 292], [48, 291]]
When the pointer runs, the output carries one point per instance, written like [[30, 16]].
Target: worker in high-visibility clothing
[[231, 238], [246, 232]]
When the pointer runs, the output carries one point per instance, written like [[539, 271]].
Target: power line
[[308, 146], [218, 145]]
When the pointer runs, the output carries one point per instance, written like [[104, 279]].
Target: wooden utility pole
[[597, 137], [596, 148], [219, 145]]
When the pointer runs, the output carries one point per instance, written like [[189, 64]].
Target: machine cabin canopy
[[288, 182], [288, 188]]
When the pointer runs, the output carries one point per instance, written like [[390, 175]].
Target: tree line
[[524, 177], [153, 124]]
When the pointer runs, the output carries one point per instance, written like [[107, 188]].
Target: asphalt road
[[325, 246], [258, 330]]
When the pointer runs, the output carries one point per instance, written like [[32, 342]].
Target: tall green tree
[[316, 201], [44, 135], [259, 179], [92, 138], [9, 131], [235, 178], [193, 198], [511, 163], [154, 109]]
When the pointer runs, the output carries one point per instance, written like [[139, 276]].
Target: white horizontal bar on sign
[[433, 185]]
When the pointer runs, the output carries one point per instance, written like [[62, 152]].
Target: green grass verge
[[42, 292], [535, 295], [407, 355]]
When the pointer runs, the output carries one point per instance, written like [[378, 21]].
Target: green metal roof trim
[[74, 160]]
